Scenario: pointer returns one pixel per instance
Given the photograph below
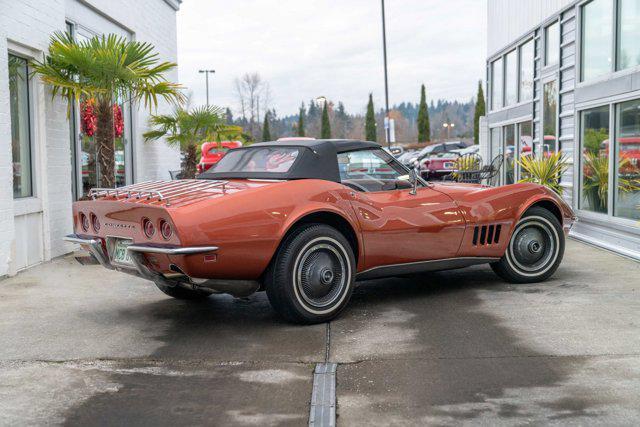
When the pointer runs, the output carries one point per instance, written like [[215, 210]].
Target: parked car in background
[[472, 149], [406, 157], [439, 160], [438, 166], [212, 152], [444, 147]]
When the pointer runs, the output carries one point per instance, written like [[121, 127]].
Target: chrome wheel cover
[[321, 275], [534, 246]]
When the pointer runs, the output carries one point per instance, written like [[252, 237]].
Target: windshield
[[267, 159]]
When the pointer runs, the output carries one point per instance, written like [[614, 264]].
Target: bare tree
[[254, 97]]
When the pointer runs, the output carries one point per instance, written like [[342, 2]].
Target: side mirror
[[413, 179]]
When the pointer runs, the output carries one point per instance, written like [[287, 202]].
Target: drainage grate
[[323, 396]]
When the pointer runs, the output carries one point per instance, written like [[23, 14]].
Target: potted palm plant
[[187, 129], [544, 171], [106, 70]]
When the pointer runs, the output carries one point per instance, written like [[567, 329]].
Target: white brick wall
[[25, 26]]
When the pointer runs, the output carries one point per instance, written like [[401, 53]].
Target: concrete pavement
[[81, 345]]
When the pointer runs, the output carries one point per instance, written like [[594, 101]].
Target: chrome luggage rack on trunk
[[161, 191]]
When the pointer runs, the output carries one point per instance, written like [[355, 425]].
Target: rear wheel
[[535, 249], [180, 292], [312, 277]]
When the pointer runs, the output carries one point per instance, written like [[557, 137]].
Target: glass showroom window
[[550, 117], [594, 135], [511, 78], [526, 71], [597, 33], [627, 196], [496, 84], [509, 154], [628, 34], [20, 127], [526, 146], [552, 44]]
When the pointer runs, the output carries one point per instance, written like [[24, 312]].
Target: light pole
[[206, 75], [448, 127], [387, 127]]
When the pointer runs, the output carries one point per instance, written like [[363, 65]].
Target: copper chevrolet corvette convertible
[[304, 220]]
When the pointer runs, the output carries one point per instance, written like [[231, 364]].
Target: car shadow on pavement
[[422, 349], [409, 349]]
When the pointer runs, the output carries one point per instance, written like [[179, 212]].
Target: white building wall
[[34, 228], [508, 20]]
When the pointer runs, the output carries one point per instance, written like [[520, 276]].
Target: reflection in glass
[[550, 117], [627, 202], [496, 148], [509, 153], [511, 78], [628, 34], [526, 71], [552, 44], [20, 126], [496, 84], [527, 149], [597, 21], [595, 159]]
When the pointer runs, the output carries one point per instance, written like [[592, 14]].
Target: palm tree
[[106, 69], [187, 129]]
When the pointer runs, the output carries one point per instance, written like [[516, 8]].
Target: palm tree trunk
[[190, 162], [105, 143]]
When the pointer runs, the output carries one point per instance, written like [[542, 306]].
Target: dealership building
[[564, 75], [47, 159]]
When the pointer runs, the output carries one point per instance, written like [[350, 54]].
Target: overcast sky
[[333, 48]]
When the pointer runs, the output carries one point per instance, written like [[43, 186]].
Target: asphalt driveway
[[85, 346]]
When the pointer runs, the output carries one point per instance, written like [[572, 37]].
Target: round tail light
[[95, 222], [84, 222], [148, 227], [165, 229]]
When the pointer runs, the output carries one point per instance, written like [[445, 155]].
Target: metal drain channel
[[323, 397]]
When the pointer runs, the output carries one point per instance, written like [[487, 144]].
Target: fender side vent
[[486, 235]]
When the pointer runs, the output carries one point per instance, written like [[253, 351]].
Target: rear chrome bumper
[[238, 288]]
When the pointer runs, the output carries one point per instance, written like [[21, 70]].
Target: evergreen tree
[[424, 130], [370, 122], [480, 111], [266, 133], [301, 121], [229, 116], [325, 130]]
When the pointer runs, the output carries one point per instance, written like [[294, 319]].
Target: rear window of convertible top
[[265, 159]]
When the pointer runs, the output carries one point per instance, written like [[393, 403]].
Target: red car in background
[[212, 152]]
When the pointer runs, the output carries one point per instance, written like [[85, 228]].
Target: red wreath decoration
[[118, 121], [89, 121]]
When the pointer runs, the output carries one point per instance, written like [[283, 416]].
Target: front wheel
[[312, 277], [535, 249]]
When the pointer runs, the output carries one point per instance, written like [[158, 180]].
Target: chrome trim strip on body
[[422, 267], [186, 250]]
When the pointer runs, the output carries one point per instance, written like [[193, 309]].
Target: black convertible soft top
[[317, 160]]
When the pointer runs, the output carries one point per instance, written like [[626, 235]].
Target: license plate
[[121, 254], [449, 165]]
